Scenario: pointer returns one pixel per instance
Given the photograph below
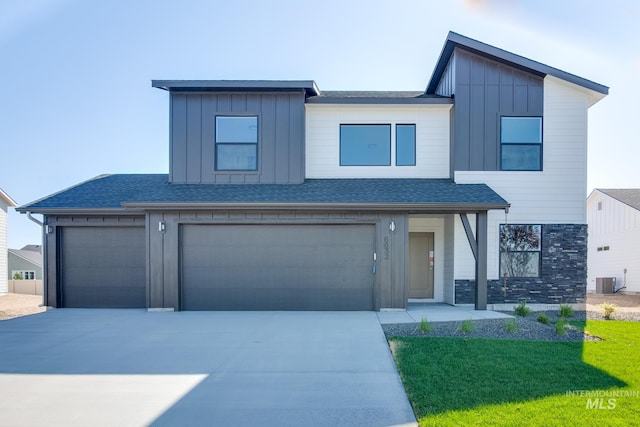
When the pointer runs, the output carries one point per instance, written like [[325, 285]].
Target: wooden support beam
[[469, 233]]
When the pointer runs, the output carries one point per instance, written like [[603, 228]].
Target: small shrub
[[511, 325], [561, 327], [544, 319], [566, 311], [608, 309], [467, 326], [522, 309], [425, 326]]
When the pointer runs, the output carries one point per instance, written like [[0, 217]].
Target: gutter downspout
[[44, 258]]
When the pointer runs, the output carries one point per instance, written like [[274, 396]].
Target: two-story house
[[284, 197]]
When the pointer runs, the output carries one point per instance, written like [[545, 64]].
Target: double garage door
[[277, 267], [225, 267]]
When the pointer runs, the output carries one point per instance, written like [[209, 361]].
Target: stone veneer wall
[[563, 272]]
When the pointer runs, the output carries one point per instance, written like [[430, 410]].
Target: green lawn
[[456, 381]]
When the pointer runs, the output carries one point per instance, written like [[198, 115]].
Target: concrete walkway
[[74, 367], [436, 312]]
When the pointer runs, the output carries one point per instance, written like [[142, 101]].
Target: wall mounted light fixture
[[392, 226], [161, 226]]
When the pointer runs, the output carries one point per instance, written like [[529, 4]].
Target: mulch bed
[[527, 328]]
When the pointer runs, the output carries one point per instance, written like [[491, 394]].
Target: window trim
[[23, 274], [521, 144], [389, 125], [415, 131], [217, 144], [501, 252]]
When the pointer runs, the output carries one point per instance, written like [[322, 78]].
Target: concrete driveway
[[75, 367]]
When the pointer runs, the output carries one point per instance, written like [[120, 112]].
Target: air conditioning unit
[[605, 285]]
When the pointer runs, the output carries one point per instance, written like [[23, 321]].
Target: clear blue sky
[[76, 75]]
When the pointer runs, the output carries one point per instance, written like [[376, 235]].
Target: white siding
[[322, 148], [556, 195], [616, 225], [4, 285]]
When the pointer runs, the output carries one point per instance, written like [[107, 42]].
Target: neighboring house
[[283, 197], [25, 263], [5, 203], [613, 216]]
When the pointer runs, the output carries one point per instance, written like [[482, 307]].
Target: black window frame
[[256, 144], [414, 143], [504, 251], [342, 125], [521, 144]]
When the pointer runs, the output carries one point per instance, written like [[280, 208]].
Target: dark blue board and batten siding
[[280, 141], [483, 91]]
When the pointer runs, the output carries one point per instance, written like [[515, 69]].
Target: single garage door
[[103, 267], [277, 267]]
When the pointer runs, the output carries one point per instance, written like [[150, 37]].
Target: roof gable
[[6, 199], [455, 40], [628, 196], [32, 257]]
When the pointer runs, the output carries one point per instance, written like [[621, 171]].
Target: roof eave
[[455, 40], [606, 192], [8, 200], [421, 207], [380, 101], [308, 86], [30, 261], [78, 211]]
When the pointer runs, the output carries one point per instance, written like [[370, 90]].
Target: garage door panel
[[104, 297], [279, 299], [277, 267], [271, 278], [103, 267]]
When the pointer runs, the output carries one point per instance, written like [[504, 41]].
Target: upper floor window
[[405, 145], [521, 143], [236, 142], [365, 145]]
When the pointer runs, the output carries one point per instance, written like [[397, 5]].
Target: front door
[[421, 260]]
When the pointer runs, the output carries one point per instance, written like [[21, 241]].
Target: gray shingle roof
[[33, 257], [116, 191], [377, 97], [628, 196]]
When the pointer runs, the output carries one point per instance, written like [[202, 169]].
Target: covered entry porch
[[430, 260]]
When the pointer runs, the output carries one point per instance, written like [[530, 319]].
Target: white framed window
[[23, 275]]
